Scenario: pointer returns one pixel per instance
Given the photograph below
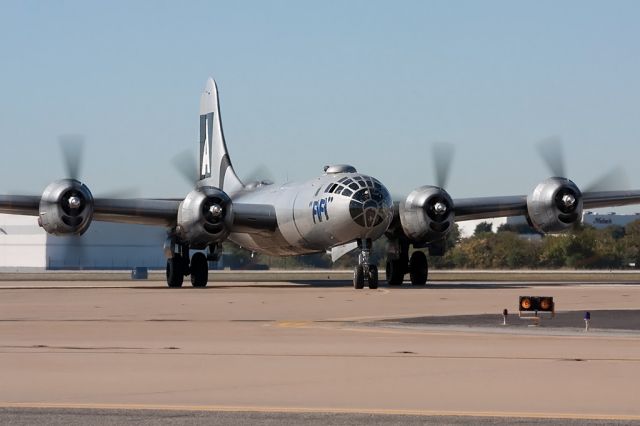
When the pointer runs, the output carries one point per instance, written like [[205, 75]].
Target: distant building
[[609, 219], [596, 220], [24, 245]]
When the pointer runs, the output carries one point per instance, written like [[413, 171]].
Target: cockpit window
[[362, 195], [369, 199], [368, 202], [331, 188]]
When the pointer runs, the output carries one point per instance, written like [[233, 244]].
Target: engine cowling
[[554, 205], [66, 208], [205, 217], [427, 214]]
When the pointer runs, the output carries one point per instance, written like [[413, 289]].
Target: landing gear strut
[[365, 270], [178, 265]]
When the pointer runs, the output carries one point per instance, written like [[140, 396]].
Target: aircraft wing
[[137, 210], [516, 205], [594, 200], [143, 211], [248, 218], [488, 207], [19, 204]]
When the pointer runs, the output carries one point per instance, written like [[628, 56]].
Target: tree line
[[510, 247], [582, 247]]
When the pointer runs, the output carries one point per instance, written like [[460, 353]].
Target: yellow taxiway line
[[320, 410]]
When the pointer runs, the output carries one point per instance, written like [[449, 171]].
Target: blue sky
[[304, 84]]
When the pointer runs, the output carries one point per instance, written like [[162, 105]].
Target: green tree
[[453, 237], [631, 244], [483, 227], [553, 253], [521, 228], [512, 251]]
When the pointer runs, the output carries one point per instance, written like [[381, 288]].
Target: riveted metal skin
[[427, 214], [205, 217], [328, 211], [554, 205], [66, 208]]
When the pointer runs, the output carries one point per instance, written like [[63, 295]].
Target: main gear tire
[[199, 270], [418, 268], [394, 272], [175, 271]]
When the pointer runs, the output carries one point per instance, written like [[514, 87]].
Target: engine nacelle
[[205, 217], [554, 205], [66, 208], [427, 214]]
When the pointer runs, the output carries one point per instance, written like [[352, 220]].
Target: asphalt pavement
[[83, 417], [601, 320]]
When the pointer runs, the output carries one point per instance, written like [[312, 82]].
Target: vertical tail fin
[[215, 165]]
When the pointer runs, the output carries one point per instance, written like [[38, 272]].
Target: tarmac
[[316, 351]]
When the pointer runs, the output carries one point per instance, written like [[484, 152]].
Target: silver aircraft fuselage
[[312, 216]]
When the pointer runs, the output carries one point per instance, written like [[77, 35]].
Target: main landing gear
[[400, 264], [365, 270], [178, 266]]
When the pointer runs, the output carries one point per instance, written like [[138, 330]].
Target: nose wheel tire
[[199, 270], [365, 272], [395, 272], [358, 277], [418, 268], [175, 271]]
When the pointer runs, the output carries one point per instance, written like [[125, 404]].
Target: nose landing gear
[[365, 270]]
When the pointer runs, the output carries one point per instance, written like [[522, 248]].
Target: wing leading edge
[[516, 205], [248, 218], [160, 212]]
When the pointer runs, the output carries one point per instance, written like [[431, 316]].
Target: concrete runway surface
[[315, 352]]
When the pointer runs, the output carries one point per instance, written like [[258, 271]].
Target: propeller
[[442, 157], [72, 149], [187, 165], [552, 152], [614, 179], [75, 247]]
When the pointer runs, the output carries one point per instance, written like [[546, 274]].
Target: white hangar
[[26, 246]]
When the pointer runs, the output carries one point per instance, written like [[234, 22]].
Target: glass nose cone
[[371, 204]]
